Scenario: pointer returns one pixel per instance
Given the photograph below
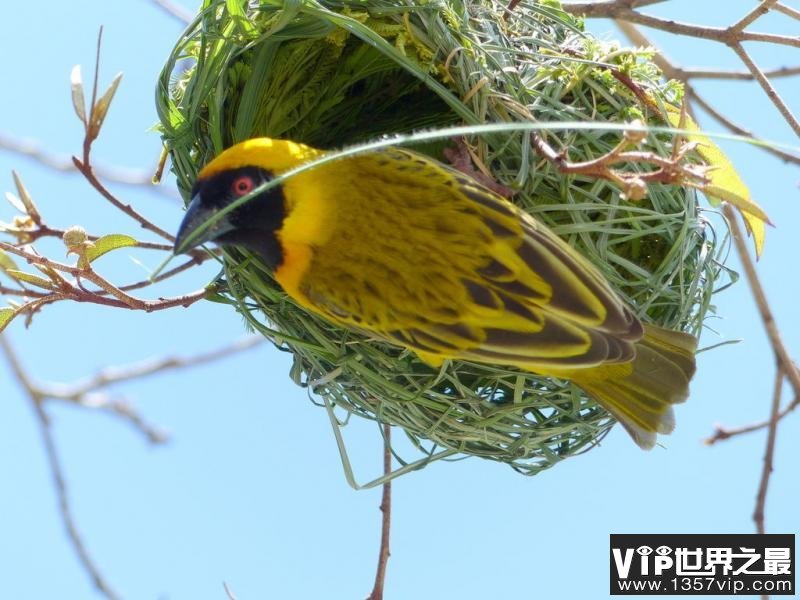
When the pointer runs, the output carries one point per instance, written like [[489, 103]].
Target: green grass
[[338, 74]]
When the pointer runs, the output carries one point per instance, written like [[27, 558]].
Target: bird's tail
[[640, 393]]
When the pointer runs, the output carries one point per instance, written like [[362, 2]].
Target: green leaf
[[25, 198], [724, 183], [31, 279], [51, 273], [6, 314], [212, 295], [107, 243], [236, 10], [78, 100], [100, 109], [6, 262]]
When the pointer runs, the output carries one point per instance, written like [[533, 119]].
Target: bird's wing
[[449, 269]]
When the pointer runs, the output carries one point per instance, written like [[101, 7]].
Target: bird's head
[[233, 174]]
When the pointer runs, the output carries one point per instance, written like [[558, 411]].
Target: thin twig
[[722, 433], [126, 412], [194, 261], [119, 298], [43, 231], [81, 394], [173, 10], [57, 475], [771, 327], [76, 392], [738, 129], [788, 11], [685, 74], [672, 170], [640, 3], [767, 86], [671, 71], [85, 393], [84, 164], [386, 517], [613, 9], [769, 452], [64, 164], [26, 293], [228, 592], [85, 168], [762, 8]]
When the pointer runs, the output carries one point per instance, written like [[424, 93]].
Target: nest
[[334, 74]]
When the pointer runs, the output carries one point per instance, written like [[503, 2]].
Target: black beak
[[199, 226]]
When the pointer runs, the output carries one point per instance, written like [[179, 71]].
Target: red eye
[[242, 185]]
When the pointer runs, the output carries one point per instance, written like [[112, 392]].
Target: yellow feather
[[281, 155], [400, 246]]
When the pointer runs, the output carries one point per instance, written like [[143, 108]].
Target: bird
[[401, 247]]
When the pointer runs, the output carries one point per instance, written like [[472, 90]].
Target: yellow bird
[[397, 245]]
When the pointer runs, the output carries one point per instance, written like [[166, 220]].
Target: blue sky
[[250, 489]]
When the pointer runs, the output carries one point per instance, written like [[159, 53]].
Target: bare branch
[[77, 392], [64, 164], [386, 519], [57, 475], [767, 86], [194, 261], [788, 11], [781, 353], [671, 170], [24, 292], [737, 129], [762, 8], [620, 10], [70, 291], [97, 112], [685, 74], [42, 231], [671, 71], [86, 394], [640, 3], [87, 171], [769, 452], [722, 433], [83, 394]]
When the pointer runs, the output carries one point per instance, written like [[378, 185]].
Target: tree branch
[[767, 86], [81, 394], [671, 71], [617, 9], [386, 519], [57, 474], [64, 164], [77, 392], [64, 290], [788, 11], [85, 393], [769, 452], [86, 170], [762, 8], [721, 433], [781, 353], [686, 74], [733, 36]]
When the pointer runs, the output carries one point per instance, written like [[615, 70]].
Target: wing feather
[[455, 271]]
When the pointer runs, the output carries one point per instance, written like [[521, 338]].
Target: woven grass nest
[[334, 74]]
